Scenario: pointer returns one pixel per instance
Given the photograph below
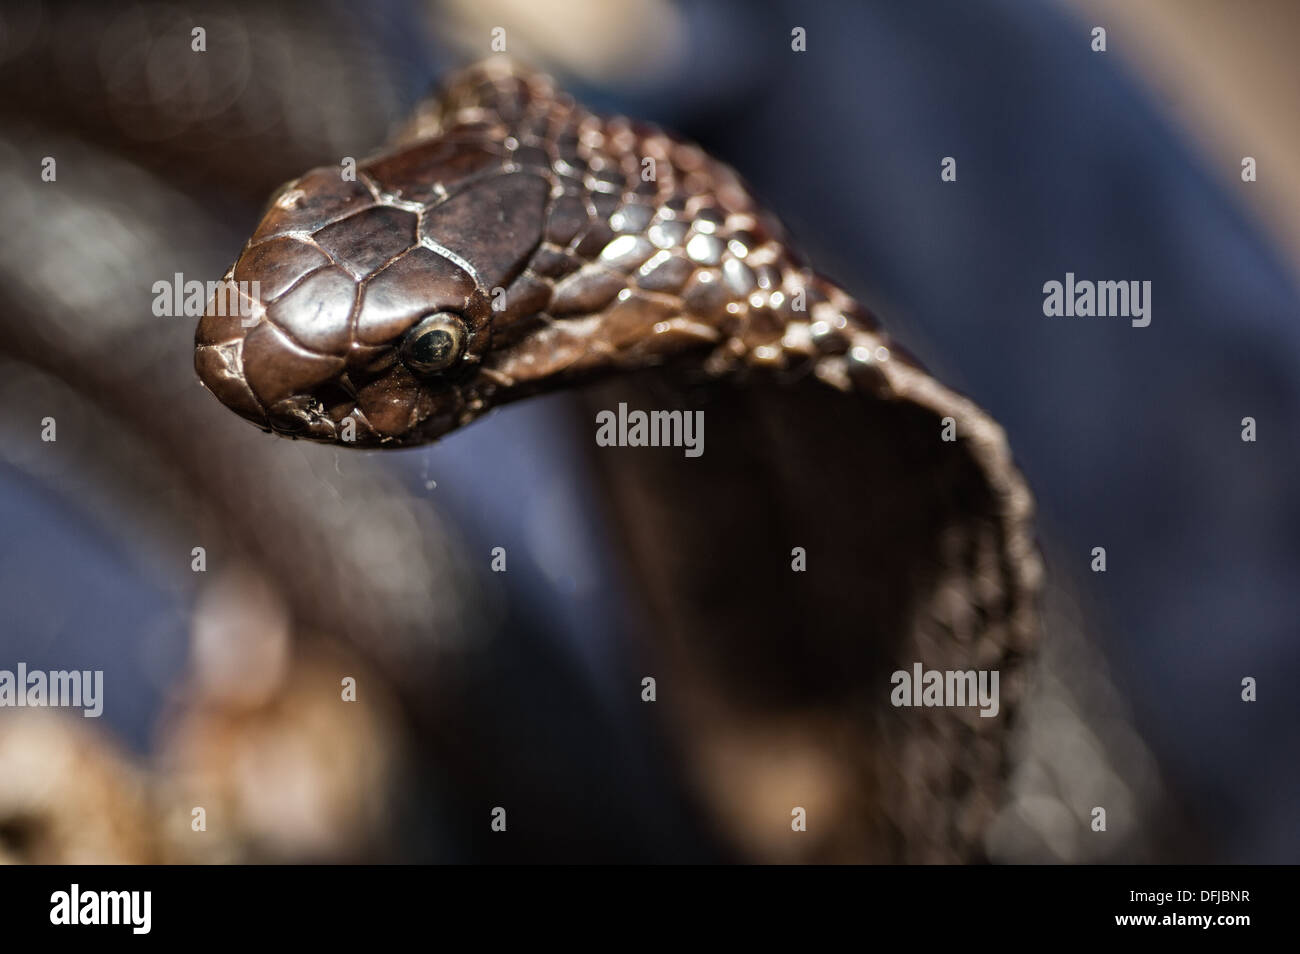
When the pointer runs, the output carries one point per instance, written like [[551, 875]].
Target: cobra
[[509, 242]]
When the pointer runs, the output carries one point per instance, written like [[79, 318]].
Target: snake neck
[[648, 252]]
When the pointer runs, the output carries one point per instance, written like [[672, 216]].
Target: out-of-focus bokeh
[[476, 689]]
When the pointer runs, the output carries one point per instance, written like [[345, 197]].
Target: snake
[[508, 242]]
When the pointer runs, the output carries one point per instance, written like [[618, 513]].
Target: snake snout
[[258, 372], [219, 361]]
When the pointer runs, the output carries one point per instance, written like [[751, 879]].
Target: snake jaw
[[349, 408]]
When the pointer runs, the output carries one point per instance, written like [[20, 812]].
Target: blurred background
[[478, 689]]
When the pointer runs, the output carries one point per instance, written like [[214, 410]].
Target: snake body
[[510, 242]]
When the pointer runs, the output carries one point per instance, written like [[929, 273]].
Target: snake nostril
[[293, 415]]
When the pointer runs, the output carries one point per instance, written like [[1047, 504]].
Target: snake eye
[[435, 344]]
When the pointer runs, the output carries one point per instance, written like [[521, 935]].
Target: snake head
[[345, 320], [361, 311]]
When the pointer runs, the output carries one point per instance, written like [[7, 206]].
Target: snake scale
[[509, 242]]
